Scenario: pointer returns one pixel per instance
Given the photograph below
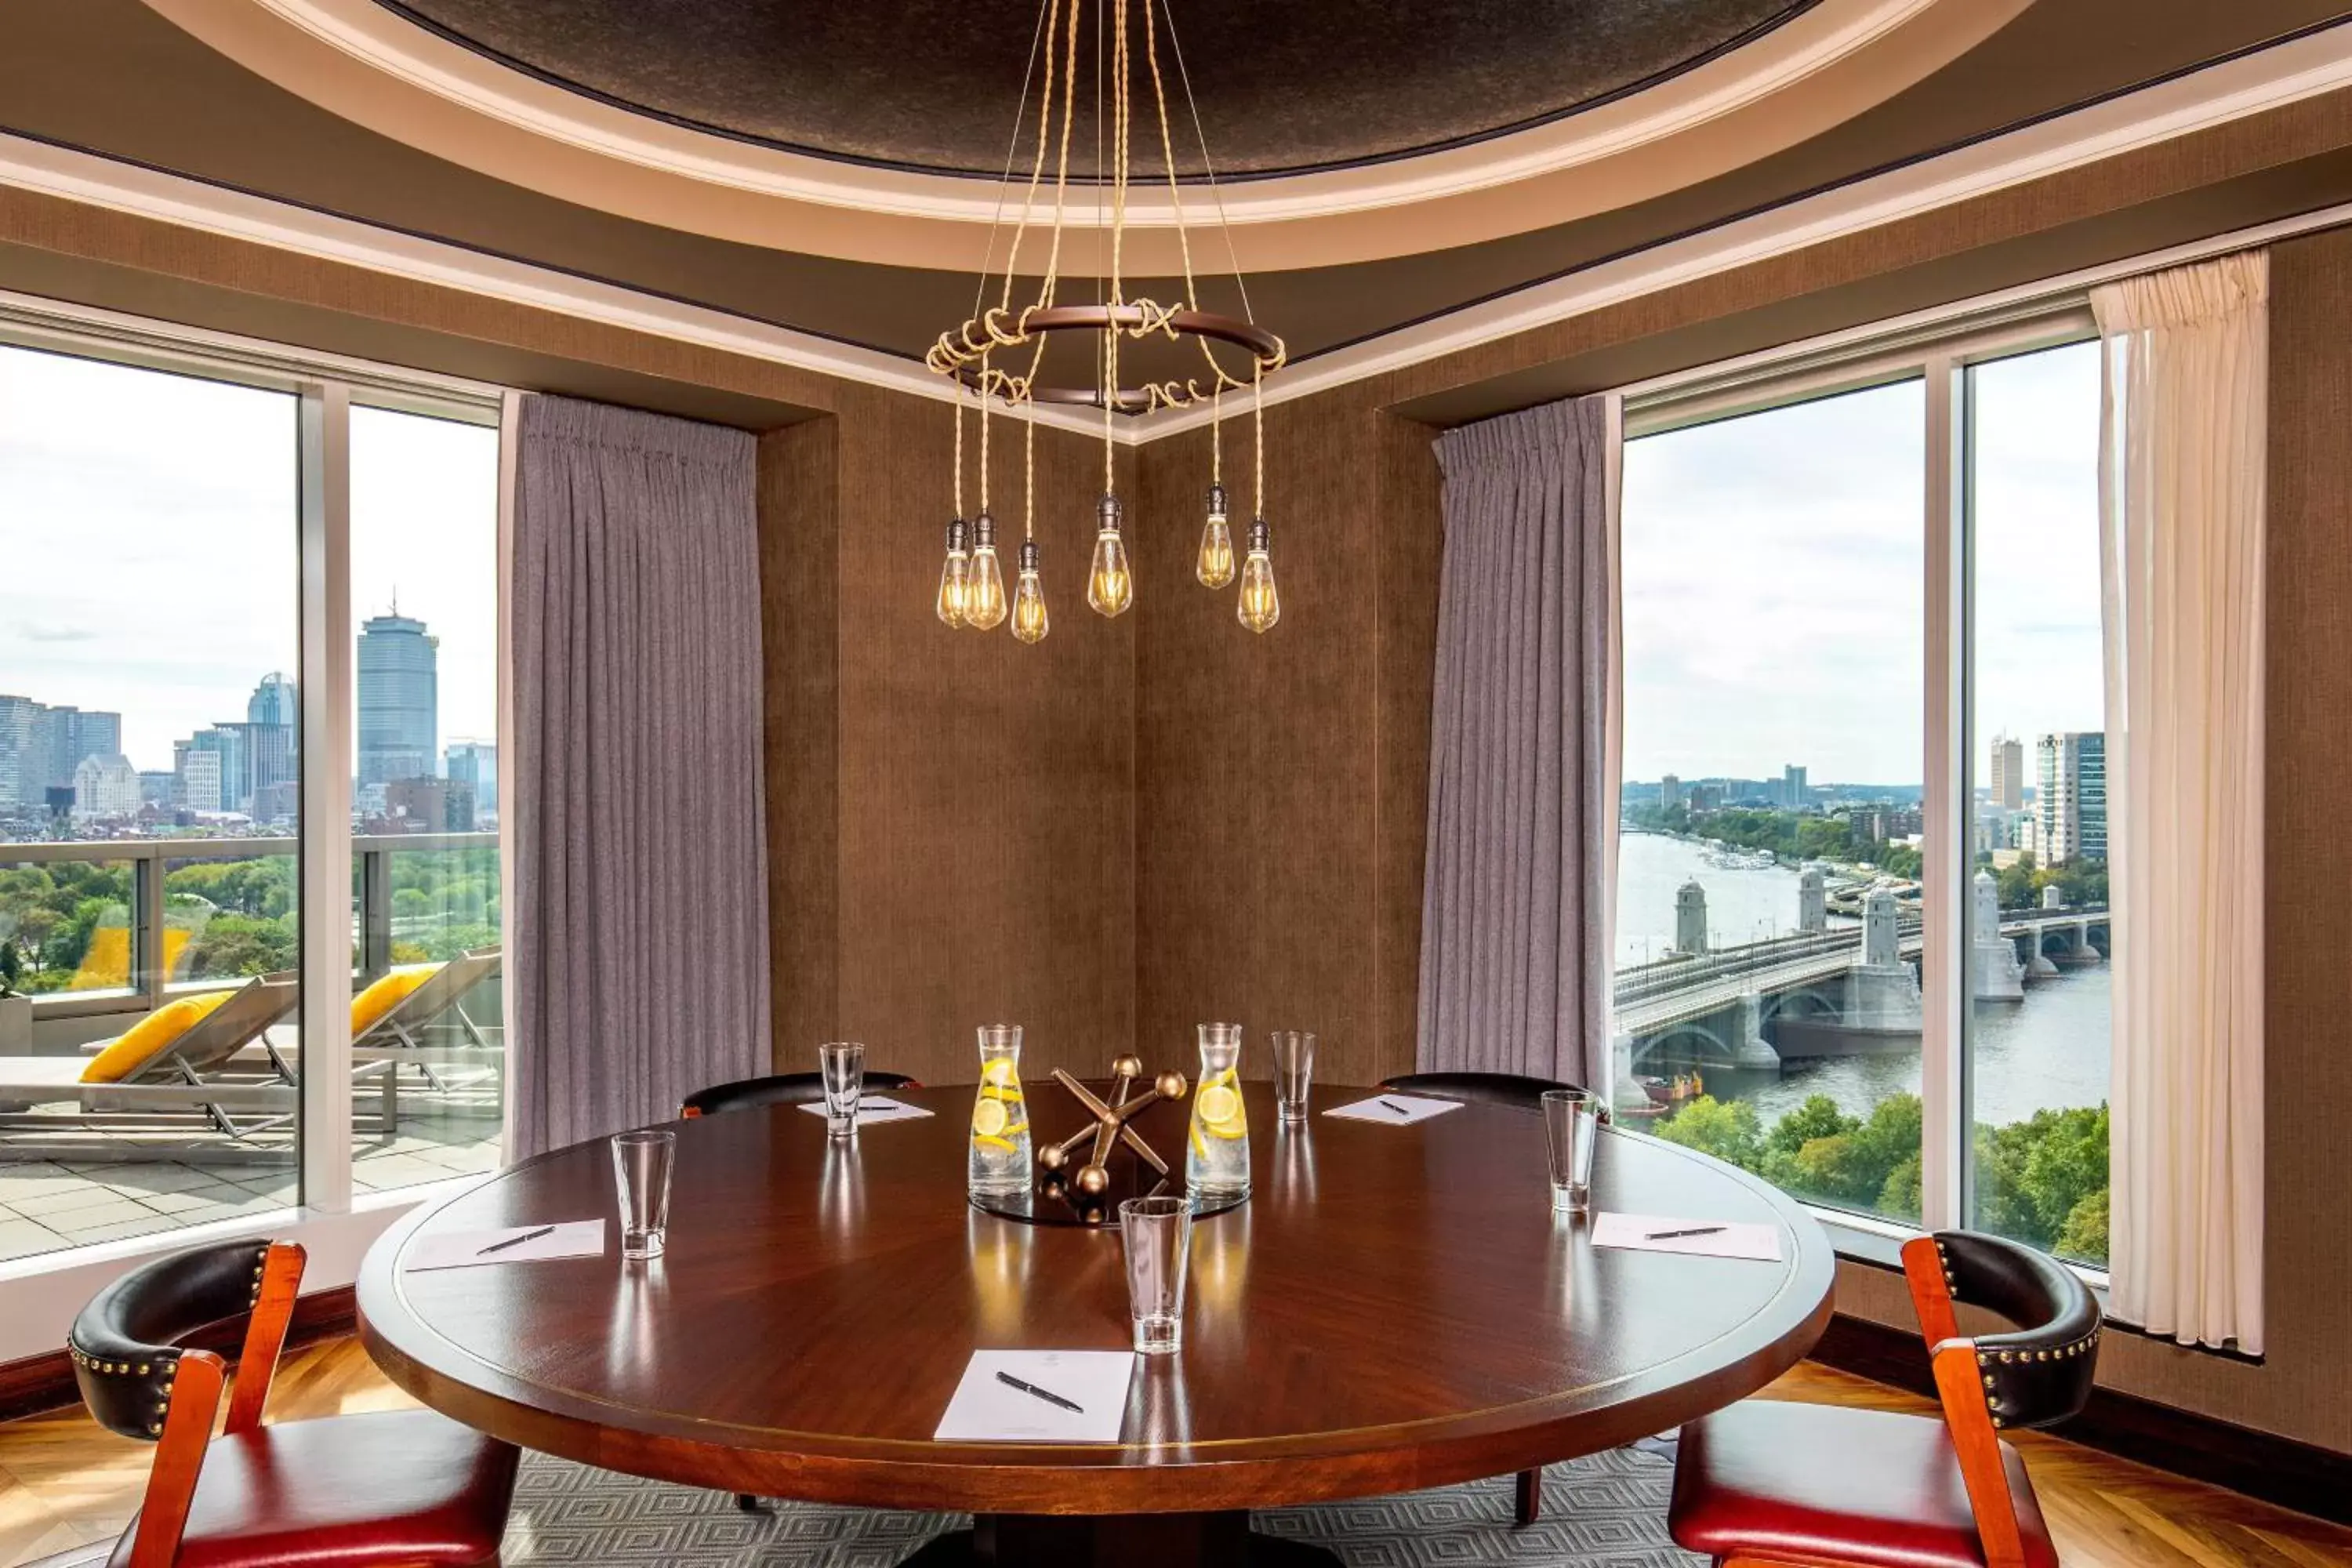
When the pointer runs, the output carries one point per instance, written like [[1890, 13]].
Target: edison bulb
[[1216, 566], [983, 582], [952, 575], [1110, 586], [1028, 599], [1261, 605]]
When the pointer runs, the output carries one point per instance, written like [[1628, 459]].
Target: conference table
[[1395, 1308]]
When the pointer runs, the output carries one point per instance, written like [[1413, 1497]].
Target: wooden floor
[[66, 1483]]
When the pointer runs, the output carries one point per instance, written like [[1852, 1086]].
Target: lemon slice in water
[[1219, 1105], [988, 1118]]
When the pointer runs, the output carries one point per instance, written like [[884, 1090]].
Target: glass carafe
[[1217, 1151], [1000, 1116]]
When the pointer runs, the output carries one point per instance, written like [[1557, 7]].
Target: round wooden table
[[1395, 1308]]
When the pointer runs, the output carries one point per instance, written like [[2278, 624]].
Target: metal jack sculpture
[[1110, 1124]]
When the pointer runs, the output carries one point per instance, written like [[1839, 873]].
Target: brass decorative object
[[1110, 1125]]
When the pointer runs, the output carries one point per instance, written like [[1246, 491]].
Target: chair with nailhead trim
[[1773, 1482], [780, 1089], [404, 1486]]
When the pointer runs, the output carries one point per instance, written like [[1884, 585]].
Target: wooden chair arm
[[179, 1458], [265, 1334]]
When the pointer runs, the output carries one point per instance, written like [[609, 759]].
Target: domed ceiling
[[1282, 89]]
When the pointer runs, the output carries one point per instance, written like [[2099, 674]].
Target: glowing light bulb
[[1029, 619], [952, 575], [1216, 566], [983, 583], [1261, 606], [1110, 586]]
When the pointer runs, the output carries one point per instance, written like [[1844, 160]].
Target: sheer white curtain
[[2181, 483]]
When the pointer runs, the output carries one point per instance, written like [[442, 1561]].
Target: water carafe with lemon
[[1217, 1153], [1000, 1116]]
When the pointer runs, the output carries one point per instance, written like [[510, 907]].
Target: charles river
[[2047, 1051]]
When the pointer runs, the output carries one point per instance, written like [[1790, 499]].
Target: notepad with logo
[[1039, 1396], [873, 1108], [1692, 1237], [508, 1244], [1396, 1110]]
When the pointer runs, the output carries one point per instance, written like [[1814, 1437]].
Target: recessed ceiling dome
[[931, 84]]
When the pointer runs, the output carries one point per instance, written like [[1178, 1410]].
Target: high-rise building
[[196, 777], [475, 763], [2008, 778], [1796, 793], [24, 772], [274, 701], [1670, 792], [399, 700], [41, 746], [428, 805], [2069, 801], [105, 788]]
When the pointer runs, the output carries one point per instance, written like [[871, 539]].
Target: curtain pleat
[[1513, 976], [2182, 500], [639, 971]]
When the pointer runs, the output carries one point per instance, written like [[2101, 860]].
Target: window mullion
[[1944, 808], [326, 804]]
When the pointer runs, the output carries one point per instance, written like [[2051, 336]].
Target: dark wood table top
[[1395, 1308]]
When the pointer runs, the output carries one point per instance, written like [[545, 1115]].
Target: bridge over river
[[1827, 992]]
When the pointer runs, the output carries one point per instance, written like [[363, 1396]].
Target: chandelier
[[996, 356]]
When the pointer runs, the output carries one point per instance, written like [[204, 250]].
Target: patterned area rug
[[1605, 1512]]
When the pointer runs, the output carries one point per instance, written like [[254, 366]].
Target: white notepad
[[464, 1249], [988, 1410], [874, 1108], [1634, 1233], [1396, 1110]]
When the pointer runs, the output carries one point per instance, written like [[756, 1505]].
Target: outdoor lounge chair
[[396, 1037], [187, 1083]]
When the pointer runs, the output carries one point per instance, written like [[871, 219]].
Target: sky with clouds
[[1774, 578], [149, 536]]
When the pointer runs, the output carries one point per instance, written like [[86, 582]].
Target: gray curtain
[[639, 970], [1514, 960]]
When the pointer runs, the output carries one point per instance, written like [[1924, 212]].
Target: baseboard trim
[[40, 1383], [2299, 1476]]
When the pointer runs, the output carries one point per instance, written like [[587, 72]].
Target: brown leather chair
[[1768, 1482], [406, 1486], [780, 1089]]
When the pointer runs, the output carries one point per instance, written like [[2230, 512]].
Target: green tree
[[1819, 1117], [1727, 1130], [2084, 1237]]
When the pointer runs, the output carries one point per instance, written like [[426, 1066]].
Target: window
[[158, 527], [1817, 978], [1768, 1008], [2037, 1056]]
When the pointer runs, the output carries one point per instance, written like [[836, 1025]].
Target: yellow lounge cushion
[[154, 1034], [369, 1007]]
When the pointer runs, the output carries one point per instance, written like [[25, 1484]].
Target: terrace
[[117, 929]]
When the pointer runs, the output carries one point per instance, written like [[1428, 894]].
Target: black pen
[[516, 1240], [1701, 1230], [1049, 1396], [1392, 1105]]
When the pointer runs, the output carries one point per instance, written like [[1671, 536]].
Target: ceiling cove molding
[[2302, 69], [2287, 73], [371, 65]]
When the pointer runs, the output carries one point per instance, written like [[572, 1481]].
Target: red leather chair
[[1766, 1484], [408, 1486]]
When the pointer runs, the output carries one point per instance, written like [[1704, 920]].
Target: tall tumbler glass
[[1293, 1072], [641, 1167], [1158, 1236], [1572, 1121], [842, 1065]]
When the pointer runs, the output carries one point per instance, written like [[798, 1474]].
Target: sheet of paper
[[463, 1248], [875, 1108], [986, 1409], [1639, 1233], [1396, 1110]]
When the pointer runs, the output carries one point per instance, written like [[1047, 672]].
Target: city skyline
[[190, 486]]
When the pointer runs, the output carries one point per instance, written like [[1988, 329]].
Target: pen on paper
[[1047, 1395], [1697, 1230], [1392, 1105], [516, 1240]]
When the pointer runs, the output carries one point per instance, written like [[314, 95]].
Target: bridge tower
[[1690, 918], [2054, 897], [1813, 901], [1882, 994], [1995, 974]]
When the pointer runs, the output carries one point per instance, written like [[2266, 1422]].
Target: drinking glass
[[999, 1160], [1572, 1119], [1293, 1072], [841, 1063], [1158, 1236], [1217, 1156], [641, 1167]]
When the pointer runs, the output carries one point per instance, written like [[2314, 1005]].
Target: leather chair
[[780, 1089], [1766, 1482], [1516, 1092], [406, 1486]]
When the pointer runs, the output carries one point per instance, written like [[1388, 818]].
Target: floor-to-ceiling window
[[173, 530], [1861, 932]]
